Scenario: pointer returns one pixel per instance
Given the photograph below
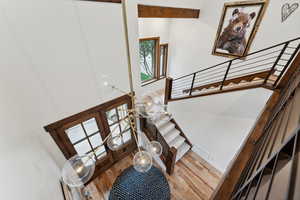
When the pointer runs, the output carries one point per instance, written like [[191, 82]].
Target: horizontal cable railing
[[263, 68]]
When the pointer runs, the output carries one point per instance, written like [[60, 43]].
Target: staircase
[[167, 128], [276, 155], [265, 167], [263, 68], [166, 131]]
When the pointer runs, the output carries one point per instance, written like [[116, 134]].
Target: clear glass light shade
[[142, 161], [155, 148], [78, 170], [148, 107], [115, 143], [106, 84]]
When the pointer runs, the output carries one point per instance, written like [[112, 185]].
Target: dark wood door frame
[[57, 131]]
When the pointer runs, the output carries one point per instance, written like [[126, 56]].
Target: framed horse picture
[[238, 26]]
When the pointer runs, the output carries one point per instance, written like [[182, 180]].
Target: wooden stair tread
[[247, 85]]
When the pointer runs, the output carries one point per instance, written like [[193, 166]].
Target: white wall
[[217, 125], [53, 53], [149, 27], [193, 40]]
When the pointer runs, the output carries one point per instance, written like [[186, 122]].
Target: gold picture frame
[[238, 26]]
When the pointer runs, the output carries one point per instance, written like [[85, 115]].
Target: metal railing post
[[192, 85], [287, 64], [228, 68], [276, 62]]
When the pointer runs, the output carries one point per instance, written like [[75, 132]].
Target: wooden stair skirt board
[[166, 131], [258, 78]]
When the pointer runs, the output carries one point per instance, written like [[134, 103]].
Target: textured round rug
[[133, 185]]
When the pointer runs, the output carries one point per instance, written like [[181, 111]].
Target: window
[[119, 123], [163, 60], [149, 56], [153, 59], [85, 137], [82, 133]]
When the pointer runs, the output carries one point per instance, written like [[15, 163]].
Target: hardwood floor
[[193, 179]]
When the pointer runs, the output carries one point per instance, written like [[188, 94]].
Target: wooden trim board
[[148, 11]]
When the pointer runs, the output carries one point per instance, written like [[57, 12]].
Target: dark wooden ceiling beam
[[147, 11]]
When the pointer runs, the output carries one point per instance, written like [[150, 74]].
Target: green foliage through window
[[147, 59]]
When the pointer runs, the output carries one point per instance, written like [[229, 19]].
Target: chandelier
[[79, 169]]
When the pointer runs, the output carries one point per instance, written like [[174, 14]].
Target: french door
[[84, 133]]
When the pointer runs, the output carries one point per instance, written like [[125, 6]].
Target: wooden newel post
[[168, 89], [171, 160]]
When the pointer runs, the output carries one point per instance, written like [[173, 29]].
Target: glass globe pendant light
[[145, 107], [155, 148], [142, 161], [78, 170], [148, 108], [115, 143]]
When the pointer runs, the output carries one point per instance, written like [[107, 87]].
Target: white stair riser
[[171, 136], [177, 142], [182, 150], [161, 123], [166, 129]]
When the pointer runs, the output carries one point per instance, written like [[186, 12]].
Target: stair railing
[[263, 68]]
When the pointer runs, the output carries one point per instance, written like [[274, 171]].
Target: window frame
[[165, 61], [58, 129], [118, 122], [157, 58], [70, 145], [157, 76]]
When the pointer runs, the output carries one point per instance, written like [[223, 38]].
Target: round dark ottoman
[[133, 185]]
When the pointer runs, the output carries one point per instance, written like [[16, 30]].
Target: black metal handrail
[[268, 64], [256, 167]]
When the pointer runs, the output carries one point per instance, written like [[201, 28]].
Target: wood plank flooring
[[193, 179]]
